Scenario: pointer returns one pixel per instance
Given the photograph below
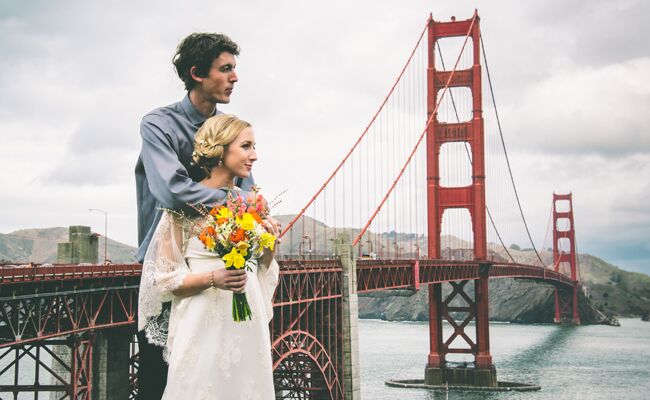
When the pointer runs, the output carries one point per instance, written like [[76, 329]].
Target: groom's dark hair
[[199, 50]]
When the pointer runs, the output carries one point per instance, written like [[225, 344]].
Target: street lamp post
[[105, 231]]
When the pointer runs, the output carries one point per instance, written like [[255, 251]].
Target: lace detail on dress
[[168, 277], [157, 328], [163, 271]]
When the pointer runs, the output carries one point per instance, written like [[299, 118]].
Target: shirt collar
[[195, 115]]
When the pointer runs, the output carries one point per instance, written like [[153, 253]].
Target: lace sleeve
[[163, 271], [268, 278]]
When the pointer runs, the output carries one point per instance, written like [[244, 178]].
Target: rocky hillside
[[610, 290], [40, 245]]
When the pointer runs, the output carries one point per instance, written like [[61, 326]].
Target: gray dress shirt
[[164, 176]]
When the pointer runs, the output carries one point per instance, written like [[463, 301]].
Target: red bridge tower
[[470, 197], [566, 303]]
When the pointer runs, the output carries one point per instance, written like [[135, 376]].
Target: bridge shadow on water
[[524, 366], [540, 355]]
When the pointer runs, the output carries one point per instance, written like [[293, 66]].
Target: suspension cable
[[417, 144], [503, 143], [372, 121], [548, 226], [469, 156]]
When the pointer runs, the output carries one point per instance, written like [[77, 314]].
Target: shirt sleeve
[[168, 179]]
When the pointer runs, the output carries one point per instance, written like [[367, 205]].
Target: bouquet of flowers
[[234, 232]]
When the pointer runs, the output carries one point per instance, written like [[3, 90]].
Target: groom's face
[[218, 85]]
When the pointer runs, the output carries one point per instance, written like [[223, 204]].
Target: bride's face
[[240, 154]]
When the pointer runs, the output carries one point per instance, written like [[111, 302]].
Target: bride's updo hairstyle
[[213, 138]]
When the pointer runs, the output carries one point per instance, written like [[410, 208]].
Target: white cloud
[[78, 76]]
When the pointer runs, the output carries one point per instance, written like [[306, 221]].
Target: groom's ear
[[194, 75]]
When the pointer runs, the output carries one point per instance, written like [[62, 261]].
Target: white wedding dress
[[210, 356]]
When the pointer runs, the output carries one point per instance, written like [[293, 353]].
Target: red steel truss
[[306, 331], [54, 304], [566, 301], [72, 301], [376, 275], [68, 372]]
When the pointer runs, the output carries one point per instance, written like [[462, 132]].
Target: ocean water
[[584, 362]]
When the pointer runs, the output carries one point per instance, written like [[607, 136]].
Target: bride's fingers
[[238, 287]]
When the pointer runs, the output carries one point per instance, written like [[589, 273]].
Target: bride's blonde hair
[[213, 138]]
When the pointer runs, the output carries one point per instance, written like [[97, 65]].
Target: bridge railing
[[47, 272], [374, 275]]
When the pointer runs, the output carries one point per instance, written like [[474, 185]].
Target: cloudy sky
[[570, 79]]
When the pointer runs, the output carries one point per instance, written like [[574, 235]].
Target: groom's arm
[[168, 179]]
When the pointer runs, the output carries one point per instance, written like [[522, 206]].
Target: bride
[[210, 356]]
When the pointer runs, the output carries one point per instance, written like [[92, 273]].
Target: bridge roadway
[[41, 302]]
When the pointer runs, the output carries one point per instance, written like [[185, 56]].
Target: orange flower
[[237, 236], [222, 221], [256, 217]]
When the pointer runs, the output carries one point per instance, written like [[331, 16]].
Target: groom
[[165, 177]]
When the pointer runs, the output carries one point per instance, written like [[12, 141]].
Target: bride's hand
[[234, 280]]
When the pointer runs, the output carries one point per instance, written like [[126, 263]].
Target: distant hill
[[610, 290], [40, 246]]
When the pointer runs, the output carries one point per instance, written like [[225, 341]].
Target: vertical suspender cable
[[503, 143]]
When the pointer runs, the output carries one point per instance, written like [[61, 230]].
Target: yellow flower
[[234, 258], [209, 243], [224, 213], [267, 240], [246, 222], [243, 248]]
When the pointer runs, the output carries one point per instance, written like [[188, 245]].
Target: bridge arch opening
[[563, 224], [564, 245], [455, 165], [562, 205], [457, 241], [450, 48], [455, 106], [564, 268]]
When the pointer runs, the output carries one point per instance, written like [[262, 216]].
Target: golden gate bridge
[[425, 196]]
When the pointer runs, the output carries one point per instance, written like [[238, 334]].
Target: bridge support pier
[[351, 376], [111, 365], [438, 371]]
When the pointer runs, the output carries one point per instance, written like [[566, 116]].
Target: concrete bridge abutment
[[351, 375], [110, 365]]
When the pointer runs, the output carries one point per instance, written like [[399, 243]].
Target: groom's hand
[[233, 280]]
